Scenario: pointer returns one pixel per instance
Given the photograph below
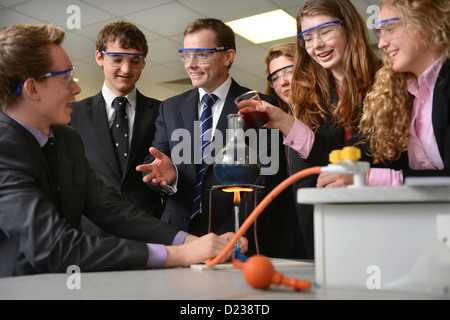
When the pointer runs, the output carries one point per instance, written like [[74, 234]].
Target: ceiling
[[163, 23]]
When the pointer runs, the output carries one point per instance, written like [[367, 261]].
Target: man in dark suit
[[209, 51], [121, 52], [46, 183]]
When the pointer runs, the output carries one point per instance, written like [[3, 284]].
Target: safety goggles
[[387, 29], [200, 55], [275, 77], [323, 32], [118, 59], [69, 79]]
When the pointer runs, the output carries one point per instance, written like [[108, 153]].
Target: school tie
[[119, 131], [205, 138]]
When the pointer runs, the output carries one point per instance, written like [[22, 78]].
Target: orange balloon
[[258, 272]]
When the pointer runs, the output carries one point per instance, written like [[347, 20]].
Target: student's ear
[[99, 58], [31, 89]]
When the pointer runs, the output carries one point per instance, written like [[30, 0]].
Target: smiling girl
[[406, 121], [413, 90], [334, 68]]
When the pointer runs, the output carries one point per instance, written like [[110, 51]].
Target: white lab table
[[179, 284], [366, 232]]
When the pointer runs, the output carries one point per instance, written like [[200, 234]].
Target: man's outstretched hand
[[161, 171]]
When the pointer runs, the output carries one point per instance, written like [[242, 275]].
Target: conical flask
[[237, 164]]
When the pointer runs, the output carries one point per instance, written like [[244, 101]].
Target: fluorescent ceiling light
[[265, 27]]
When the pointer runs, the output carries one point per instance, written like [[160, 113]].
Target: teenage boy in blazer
[[121, 51]]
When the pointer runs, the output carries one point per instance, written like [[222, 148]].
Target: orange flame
[[237, 195]]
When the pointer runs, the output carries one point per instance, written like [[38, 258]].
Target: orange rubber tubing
[[259, 209]]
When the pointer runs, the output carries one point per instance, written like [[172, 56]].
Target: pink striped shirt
[[423, 152]]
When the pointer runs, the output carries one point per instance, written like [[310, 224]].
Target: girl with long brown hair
[[334, 68]]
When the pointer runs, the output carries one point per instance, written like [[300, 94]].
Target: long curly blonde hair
[[386, 119]]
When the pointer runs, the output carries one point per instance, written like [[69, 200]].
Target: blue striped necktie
[[206, 122]]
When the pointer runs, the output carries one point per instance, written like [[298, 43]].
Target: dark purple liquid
[[255, 119], [236, 174]]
